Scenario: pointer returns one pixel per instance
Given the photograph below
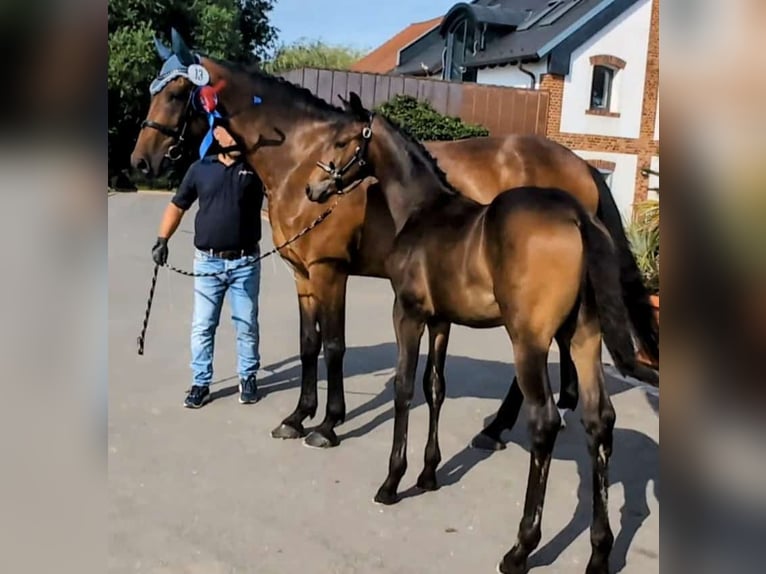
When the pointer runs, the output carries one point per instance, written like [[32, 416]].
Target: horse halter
[[358, 158], [175, 151]]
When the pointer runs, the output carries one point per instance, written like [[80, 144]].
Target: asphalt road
[[210, 492]]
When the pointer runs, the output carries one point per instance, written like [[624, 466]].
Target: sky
[[363, 24]]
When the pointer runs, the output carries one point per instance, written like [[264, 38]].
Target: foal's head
[[348, 163]]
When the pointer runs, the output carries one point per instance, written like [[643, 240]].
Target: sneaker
[[248, 390], [197, 397]]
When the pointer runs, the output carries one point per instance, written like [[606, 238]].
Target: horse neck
[[278, 135], [407, 179]]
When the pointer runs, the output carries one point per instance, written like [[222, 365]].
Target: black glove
[[160, 251]]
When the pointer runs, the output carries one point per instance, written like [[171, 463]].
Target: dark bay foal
[[532, 261]]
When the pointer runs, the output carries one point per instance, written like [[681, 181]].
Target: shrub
[[424, 123], [644, 236]]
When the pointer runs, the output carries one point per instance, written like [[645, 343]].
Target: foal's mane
[[417, 151]]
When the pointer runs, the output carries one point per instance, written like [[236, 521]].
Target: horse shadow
[[634, 462], [633, 465]]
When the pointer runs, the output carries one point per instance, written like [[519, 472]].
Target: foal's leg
[[292, 426], [330, 284], [598, 419], [408, 334], [544, 424], [433, 390]]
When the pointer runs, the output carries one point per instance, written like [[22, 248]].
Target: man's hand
[[160, 251]]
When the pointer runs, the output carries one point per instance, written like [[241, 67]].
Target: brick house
[[598, 59]]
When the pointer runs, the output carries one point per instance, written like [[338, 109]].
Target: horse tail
[[603, 282], [634, 293]]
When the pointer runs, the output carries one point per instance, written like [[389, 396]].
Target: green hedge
[[424, 123]]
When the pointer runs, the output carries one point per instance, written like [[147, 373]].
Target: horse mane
[[298, 93], [329, 111], [416, 149]]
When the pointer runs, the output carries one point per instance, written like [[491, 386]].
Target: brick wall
[[645, 146]]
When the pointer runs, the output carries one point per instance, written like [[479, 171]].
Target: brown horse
[[533, 261], [284, 136]]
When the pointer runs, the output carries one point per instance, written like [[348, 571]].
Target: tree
[[236, 30], [311, 54], [424, 123]]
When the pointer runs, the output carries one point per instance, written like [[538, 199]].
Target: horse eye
[[340, 145], [176, 96]]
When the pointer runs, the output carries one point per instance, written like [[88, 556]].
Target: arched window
[[460, 43]]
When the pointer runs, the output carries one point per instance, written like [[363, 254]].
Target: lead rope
[[293, 239]]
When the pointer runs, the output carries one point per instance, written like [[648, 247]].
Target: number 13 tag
[[198, 75]]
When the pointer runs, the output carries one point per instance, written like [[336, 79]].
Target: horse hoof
[[485, 442], [597, 566], [317, 440], [509, 569], [385, 497], [427, 483], [284, 431]]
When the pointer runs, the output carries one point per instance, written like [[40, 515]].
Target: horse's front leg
[[310, 341], [434, 390], [329, 284], [409, 331]]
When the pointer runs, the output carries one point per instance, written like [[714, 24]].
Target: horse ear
[[180, 48], [356, 106], [163, 51], [345, 103]]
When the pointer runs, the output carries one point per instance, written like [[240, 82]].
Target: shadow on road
[[634, 463]]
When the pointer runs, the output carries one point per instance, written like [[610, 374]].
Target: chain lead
[[293, 239]]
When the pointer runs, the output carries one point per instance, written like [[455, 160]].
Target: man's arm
[[170, 220]]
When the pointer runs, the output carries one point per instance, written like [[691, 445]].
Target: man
[[227, 231]]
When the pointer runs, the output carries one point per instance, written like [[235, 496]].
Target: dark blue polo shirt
[[230, 199]]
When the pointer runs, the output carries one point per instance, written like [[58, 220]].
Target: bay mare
[[533, 261], [284, 135]]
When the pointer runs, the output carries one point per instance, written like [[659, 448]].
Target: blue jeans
[[242, 285]]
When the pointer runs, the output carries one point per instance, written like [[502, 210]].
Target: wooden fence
[[501, 110]]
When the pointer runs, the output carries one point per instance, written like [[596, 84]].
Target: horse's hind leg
[[489, 437], [568, 392], [544, 424], [433, 390], [598, 419]]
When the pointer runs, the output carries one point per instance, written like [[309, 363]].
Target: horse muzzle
[[319, 192]]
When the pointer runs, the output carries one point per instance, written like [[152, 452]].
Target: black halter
[[175, 151], [359, 157]]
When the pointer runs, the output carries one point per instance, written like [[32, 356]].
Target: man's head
[[225, 140], [223, 137]]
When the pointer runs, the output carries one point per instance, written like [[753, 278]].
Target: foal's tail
[[633, 291], [604, 281]]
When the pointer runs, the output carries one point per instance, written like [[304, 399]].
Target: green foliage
[[424, 123], [311, 54], [236, 30], [644, 236]]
